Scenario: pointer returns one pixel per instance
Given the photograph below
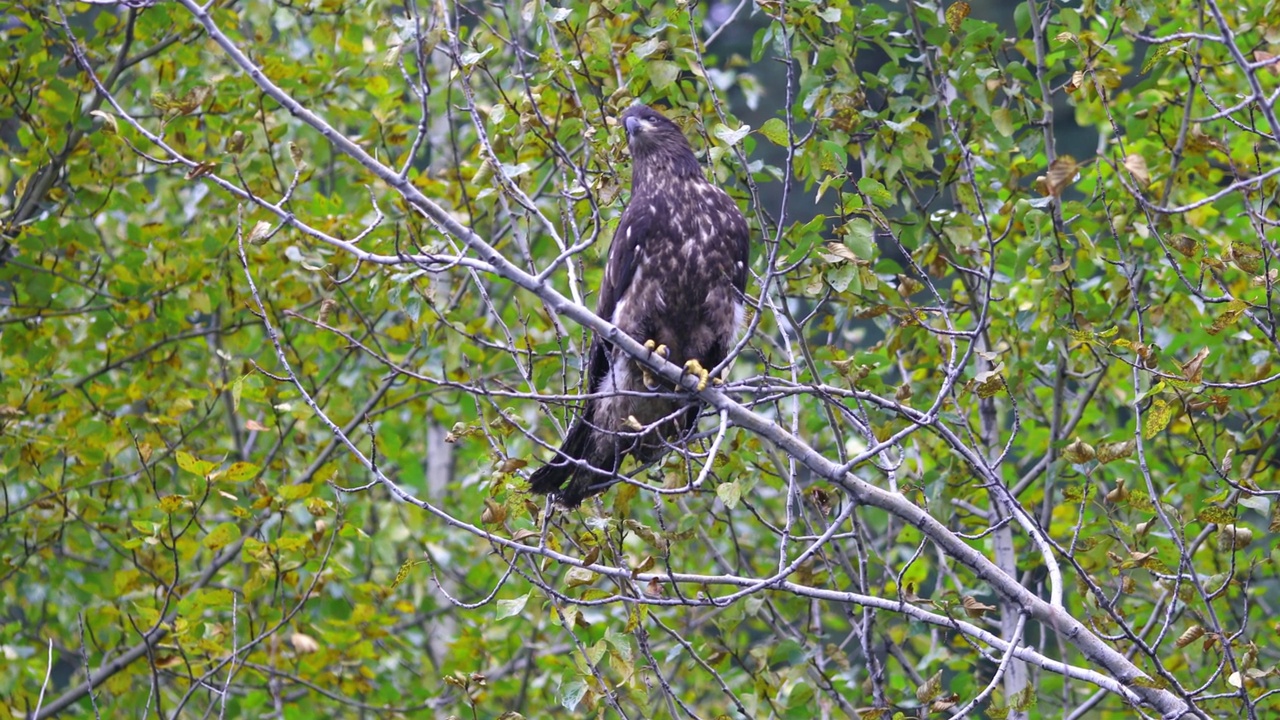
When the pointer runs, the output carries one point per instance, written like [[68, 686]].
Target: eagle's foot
[[654, 348], [693, 367]]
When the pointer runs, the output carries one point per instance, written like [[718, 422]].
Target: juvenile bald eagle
[[674, 281]]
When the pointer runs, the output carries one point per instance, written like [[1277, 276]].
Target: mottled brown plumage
[[675, 277]]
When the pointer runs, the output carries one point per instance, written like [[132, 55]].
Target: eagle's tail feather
[[550, 477]]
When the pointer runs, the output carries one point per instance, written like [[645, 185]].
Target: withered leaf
[[1137, 167], [1192, 370], [1079, 452], [973, 608], [1188, 636], [1061, 174]]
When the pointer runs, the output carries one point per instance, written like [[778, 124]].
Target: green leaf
[[513, 607], [471, 57], [1003, 120], [860, 237], [875, 190], [236, 389], [775, 130], [732, 137], [572, 695], [662, 73], [842, 276], [646, 48], [146, 527], [729, 493]]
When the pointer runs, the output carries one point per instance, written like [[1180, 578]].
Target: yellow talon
[[693, 367], [654, 348]]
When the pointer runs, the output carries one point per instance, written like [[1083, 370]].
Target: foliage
[[293, 293]]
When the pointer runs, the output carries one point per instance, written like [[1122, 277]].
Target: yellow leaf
[[171, 503], [221, 536], [239, 472], [1158, 417], [294, 492], [403, 573]]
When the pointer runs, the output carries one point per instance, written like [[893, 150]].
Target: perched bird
[[674, 281]]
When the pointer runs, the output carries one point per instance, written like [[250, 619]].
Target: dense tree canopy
[[294, 296]]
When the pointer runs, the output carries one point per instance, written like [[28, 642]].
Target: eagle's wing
[[624, 257], [741, 241]]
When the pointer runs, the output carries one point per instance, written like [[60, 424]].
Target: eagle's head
[[656, 141]]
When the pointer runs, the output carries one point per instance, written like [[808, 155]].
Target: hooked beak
[[632, 126]]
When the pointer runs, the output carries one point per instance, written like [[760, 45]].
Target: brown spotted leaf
[[1183, 244], [956, 13], [1247, 258], [1230, 314], [1215, 515], [1157, 419], [1110, 452], [931, 688]]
